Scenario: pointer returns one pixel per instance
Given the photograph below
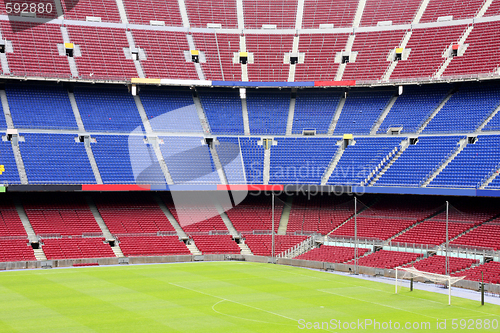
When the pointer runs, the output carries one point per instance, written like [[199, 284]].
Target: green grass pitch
[[222, 297]]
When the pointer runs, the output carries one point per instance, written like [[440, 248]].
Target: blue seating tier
[[314, 110], [268, 111], [223, 110]]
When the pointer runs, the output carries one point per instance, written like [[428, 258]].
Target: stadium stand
[[489, 273], [422, 100], [107, 110], [281, 13], [47, 11], [253, 157], [231, 158], [254, 214], [33, 106], [457, 8], [152, 246], [437, 264], [79, 10], [11, 174], [412, 168], [261, 244], [493, 9], [485, 236], [361, 110], [387, 259], [339, 13], [216, 244], [314, 110], [301, 160], [74, 248], [171, 110], [335, 254], [203, 12], [55, 159], [10, 223], [198, 218], [143, 12], [398, 12], [16, 250], [268, 111], [223, 110]]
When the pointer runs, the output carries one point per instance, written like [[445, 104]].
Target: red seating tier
[[261, 245], [493, 9], [10, 223], [387, 259], [152, 246], [489, 273], [335, 254], [339, 13], [254, 214], [47, 10], [78, 10], [437, 264], [282, 13], [432, 232], [201, 12], [379, 228], [16, 250], [216, 244], [397, 11], [485, 236], [74, 248], [145, 11], [459, 9], [194, 219]]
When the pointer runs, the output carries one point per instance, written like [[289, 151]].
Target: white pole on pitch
[[447, 264], [449, 290], [396, 280], [272, 235], [355, 236]]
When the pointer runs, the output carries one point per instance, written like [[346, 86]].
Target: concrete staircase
[[76, 111], [487, 120], [25, 221], [484, 8], [436, 111], [359, 13], [348, 48], [336, 117], [246, 122], [39, 254], [412, 226], [121, 10], [128, 53], [488, 181], [298, 249], [333, 164], [192, 248], [384, 114], [405, 144], [267, 165], [218, 166], [180, 233], [291, 111], [448, 60], [97, 216], [93, 163], [117, 251], [462, 145], [393, 64], [226, 220], [285, 216], [6, 110], [245, 250], [20, 163], [197, 66], [71, 60], [374, 172], [201, 115], [420, 12]]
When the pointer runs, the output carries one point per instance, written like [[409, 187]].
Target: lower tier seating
[[489, 271], [216, 244], [152, 246], [74, 248], [261, 245], [16, 250], [335, 254], [437, 264], [487, 236], [387, 259]]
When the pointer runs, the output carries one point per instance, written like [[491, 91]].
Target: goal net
[[411, 272]]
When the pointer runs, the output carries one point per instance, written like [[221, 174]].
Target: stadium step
[[359, 13], [487, 120], [59, 9], [405, 144], [197, 65], [180, 233], [291, 112], [420, 12], [336, 117], [285, 216], [39, 254], [218, 165], [239, 14], [491, 178], [20, 163], [98, 218], [24, 219], [121, 11], [6, 109], [201, 115], [267, 166], [244, 109], [298, 249], [154, 142], [117, 251], [136, 60], [300, 14], [184, 14], [448, 60], [393, 64], [333, 164], [76, 111], [92, 161], [71, 60], [374, 172], [348, 48], [384, 114], [436, 111], [245, 250], [462, 145], [226, 220], [192, 248], [484, 8]]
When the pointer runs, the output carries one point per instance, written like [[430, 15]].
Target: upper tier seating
[[335, 254], [16, 250], [418, 161], [261, 245], [145, 11], [231, 158], [255, 213], [188, 160], [74, 248], [314, 110], [268, 111], [399, 12], [33, 106], [470, 167], [459, 9], [35, 51], [493, 9], [319, 214], [373, 48], [387, 259], [152, 246], [489, 273], [107, 110], [422, 100], [55, 159], [281, 13], [340, 13], [65, 215], [253, 157], [361, 110], [216, 244], [223, 110], [202, 12], [171, 110], [46, 11], [360, 159], [466, 109], [107, 10], [437, 264], [301, 160]]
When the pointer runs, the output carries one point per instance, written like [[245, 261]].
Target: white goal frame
[[450, 280]]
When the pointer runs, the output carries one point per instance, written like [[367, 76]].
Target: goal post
[[411, 272]]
